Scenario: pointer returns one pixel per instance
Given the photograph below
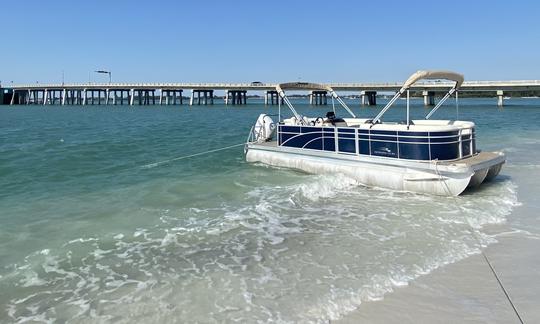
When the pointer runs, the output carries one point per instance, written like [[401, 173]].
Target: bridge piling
[[12, 100], [500, 98], [206, 98], [318, 97], [236, 97], [272, 97], [429, 98], [368, 98], [179, 96]]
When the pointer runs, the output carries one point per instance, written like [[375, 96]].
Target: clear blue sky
[[214, 41]]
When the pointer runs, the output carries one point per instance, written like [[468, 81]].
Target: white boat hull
[[445, 179]]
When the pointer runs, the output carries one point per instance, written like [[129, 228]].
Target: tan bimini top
[[302, 86], [432, 75]]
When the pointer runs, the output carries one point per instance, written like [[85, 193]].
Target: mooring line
[[502, 288], [499, 281], [155, 164]]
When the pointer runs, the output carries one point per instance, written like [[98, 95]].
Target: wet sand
[[467, 291]]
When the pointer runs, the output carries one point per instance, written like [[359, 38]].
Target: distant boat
[[426, 156]]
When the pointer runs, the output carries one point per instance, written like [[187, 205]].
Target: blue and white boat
[[426, 156]]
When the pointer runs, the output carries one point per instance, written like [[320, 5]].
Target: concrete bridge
[[235, 93]]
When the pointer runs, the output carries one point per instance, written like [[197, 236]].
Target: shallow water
[[95, 226]]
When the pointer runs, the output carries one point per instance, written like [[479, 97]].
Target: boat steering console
[[330, 118]]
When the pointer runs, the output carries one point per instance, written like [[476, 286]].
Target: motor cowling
[[264, 128]]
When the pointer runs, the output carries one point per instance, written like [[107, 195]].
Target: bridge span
[[235, 93]]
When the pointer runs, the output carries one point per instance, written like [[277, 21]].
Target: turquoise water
[[92, 228]]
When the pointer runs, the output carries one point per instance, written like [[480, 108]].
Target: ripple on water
[[309, 251]]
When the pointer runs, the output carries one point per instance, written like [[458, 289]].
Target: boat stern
[[486, 166]]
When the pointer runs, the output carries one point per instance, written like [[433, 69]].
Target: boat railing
[[251, 135], [441, 145], [254, 135]]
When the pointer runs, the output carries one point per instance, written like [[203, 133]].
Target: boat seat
[[404, 122]]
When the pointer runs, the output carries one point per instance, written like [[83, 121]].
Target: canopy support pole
[[342, 103], [408, 114], [457, 105], [451, 92], [288, 103], [388, 105], [279, 109]]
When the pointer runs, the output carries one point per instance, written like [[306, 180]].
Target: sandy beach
[[467, 291]]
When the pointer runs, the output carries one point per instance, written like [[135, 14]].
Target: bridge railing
[[263, 86], [145, 85]]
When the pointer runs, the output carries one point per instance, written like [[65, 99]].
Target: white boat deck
[[475, 159], [269, 144]]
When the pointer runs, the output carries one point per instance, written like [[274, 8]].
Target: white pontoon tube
[[424, 75], [308, 86]]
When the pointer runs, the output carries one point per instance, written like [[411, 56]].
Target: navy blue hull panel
[[347, 145], [414, 151], [444, 151], [315, 145], [386, 149], [421, 146]]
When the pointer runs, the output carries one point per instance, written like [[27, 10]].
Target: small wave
[[309, 251], [326, 187]]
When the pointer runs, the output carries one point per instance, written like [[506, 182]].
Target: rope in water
[[155, 164]]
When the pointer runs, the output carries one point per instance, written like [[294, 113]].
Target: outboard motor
[[263, 129]]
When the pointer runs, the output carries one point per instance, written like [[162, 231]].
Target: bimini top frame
[[423, 75], [306, 86]]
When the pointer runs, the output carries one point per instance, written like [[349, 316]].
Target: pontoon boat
[[426, 156]]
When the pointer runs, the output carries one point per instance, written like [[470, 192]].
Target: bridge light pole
[[105, 72]]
